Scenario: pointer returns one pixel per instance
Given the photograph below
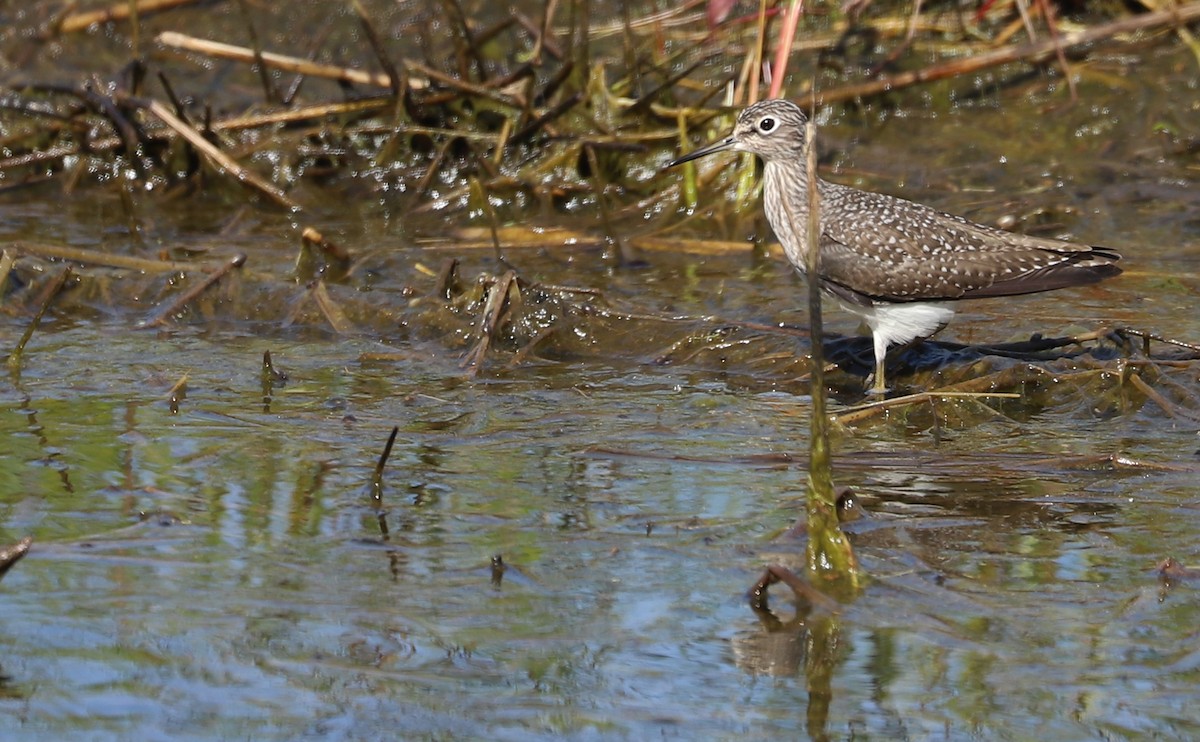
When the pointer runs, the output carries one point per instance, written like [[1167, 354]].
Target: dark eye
[[766, 124]]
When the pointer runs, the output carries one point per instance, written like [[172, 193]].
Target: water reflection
[[805, 645]]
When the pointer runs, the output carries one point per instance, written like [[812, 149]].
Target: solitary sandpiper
[[896, 263]]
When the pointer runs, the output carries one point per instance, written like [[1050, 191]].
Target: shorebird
[[897, 264]]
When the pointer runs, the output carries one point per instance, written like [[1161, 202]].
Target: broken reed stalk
[[160, 315], [855, 415], [55, 286], [543, 31], [7, 260], [801, 588], [334, 260], [10, 555], [264, 76], [1146, 337], [267, 380], [330, 309], [830, 556], [1172, 410], [177, 393], [489, 322], [377, 476], [396, 76], [218, 159]]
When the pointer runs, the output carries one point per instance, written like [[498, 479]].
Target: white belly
[[896, 324]]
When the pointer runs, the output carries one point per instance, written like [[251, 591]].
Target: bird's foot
[[875, 388]]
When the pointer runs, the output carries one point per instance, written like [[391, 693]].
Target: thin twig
[[1148, 336], [161, 314], [557, 110], [264, 76], [396, 77], [377, 475], [52, 290]]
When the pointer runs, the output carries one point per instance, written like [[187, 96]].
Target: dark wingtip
[[1101, 262], [1104, 253], [1083, 269]]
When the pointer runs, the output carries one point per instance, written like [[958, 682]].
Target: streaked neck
[[785, 195]]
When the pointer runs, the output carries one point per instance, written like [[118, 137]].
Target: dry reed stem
[[52, 290], [524, 238], [489, 322], [10, 555], [177, 392], [345, 74], [971, 388], [1173, 410], [96, 257], [677, 16], [395, 77], [119, 11], [381, 464], [223, 162], [162, 313], [7, 259], [221, 50], [331, 310], [540, 33], [851, 414]]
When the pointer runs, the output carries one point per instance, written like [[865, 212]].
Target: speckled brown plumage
[[894, 262]]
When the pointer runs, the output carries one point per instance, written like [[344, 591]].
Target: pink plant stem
[[786, 35]]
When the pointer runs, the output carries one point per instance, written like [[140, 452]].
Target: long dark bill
[[721, 146]]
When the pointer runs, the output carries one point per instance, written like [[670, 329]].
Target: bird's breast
[[785, 199]]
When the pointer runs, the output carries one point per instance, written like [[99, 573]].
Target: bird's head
[[771, 129]]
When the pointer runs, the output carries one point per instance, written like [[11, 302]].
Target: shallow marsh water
[[213, 563]]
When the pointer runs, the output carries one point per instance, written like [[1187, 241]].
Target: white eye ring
[[766, 124]]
